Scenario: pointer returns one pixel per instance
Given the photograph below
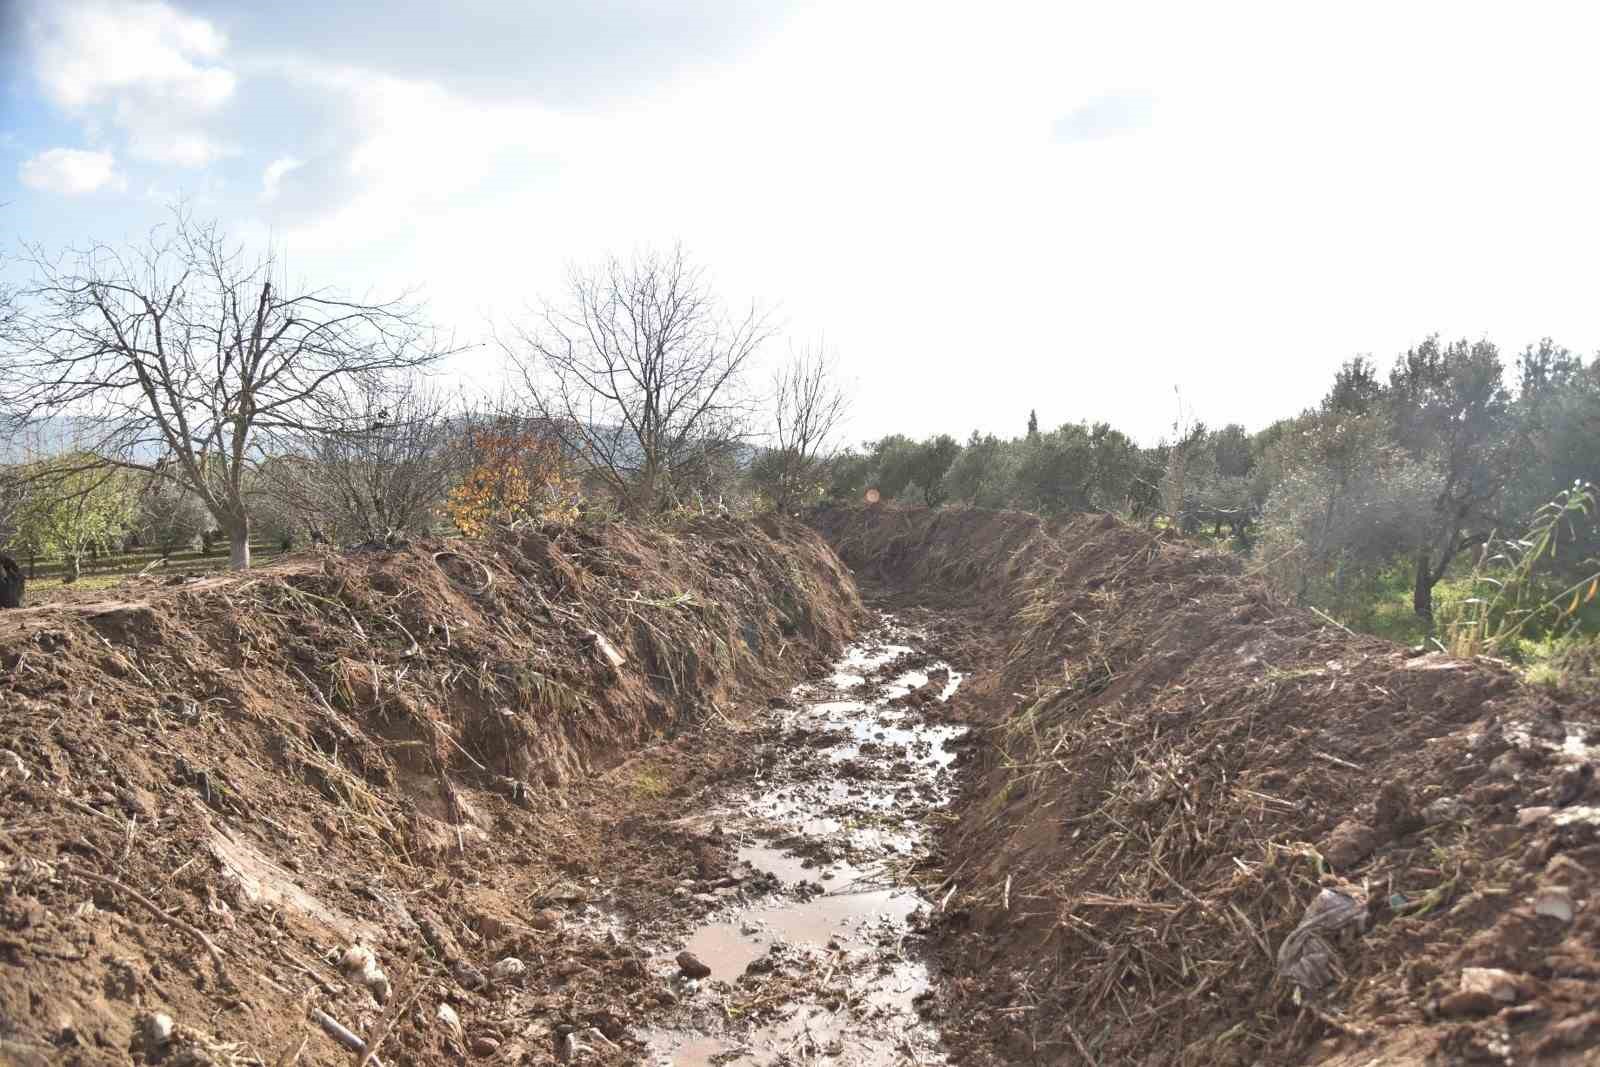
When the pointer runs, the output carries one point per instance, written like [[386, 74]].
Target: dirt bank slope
[[1175, 765], [210, 790]]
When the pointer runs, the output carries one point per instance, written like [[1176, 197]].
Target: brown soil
[[210, 790], [1171, 764]]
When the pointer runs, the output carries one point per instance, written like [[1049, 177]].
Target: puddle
[[820, 966]]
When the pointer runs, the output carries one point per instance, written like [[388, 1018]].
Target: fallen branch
[[140, 898], [488, 575], [371, 1054], [344, 1035]]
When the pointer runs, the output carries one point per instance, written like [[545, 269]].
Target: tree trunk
[[74, 568], [239, 544], [1422, 591]]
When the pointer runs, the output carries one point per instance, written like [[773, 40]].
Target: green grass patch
[[650, 782]]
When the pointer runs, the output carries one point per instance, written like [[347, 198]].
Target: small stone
[[546, 919], [1529, 816], [1490, 980], [1444, 809], [360, 964], [1351, 842], [1554, 902], [11, 765], [484, 1046], [468, 975], [510, 967], [690, 966], [357, 961], [447, 1015], [1572, 784], [157, 1031]]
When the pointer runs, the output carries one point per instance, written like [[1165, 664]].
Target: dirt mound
[[1176, 767], [211, 791]]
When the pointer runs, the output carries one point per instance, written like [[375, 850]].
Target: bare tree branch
[[386, 475], [186, 359], [809, 407], [640, 373]]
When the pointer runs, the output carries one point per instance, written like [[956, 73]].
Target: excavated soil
[[421, 794], [1171, 768], [1076, 793]]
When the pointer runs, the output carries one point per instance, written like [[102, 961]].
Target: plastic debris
[[1305, 957]]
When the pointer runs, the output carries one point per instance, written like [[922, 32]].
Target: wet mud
[[825, 965]]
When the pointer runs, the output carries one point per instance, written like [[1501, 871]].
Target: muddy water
[[818, 972]]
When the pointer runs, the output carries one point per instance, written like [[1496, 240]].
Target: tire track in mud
[[853, 767]]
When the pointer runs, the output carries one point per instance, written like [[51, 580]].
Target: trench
[[853, 769]]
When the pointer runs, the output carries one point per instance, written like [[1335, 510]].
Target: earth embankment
[[222, 799], [1175, 768]]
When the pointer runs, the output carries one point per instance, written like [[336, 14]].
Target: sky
[[1094, 210]]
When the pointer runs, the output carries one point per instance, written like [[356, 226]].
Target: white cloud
[[1304, 190], [276, 171], [70, 171], [157, 142], [155, 68], [87, 51], [1105, 115]]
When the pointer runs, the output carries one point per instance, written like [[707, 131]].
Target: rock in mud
[[1445, 809], [1351, 842], [510, 967], [360, 964], [157, 1031], [469, 976], [11, 765], [1493, 982], [1571, 784], [691, 966], [1554, 902], [484, 1046], [1396, 812], [452, 1022], [545, 919]]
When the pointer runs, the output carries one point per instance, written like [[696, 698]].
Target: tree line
[[211, 401], [1407, 469], [183, 391]]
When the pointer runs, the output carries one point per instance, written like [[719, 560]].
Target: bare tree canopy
[[387, 474], [184, 358], [809, 406], [640, 372]]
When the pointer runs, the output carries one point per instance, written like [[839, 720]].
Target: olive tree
[[1451, 410]]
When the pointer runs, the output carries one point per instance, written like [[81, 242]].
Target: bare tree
[[640, 373], [386, 476], [185, 359], [809, 407]]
